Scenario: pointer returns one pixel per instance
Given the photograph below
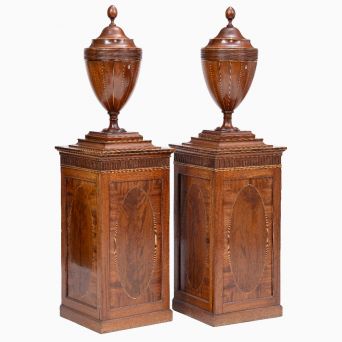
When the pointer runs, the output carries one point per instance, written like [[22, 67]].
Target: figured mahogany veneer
[[227, 228]]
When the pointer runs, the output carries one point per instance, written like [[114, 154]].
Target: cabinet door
[[249, 270], [138, 244]]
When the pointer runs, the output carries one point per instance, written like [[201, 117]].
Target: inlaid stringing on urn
[[113, 63], [229, 62]]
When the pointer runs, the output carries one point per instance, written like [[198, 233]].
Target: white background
[[295, 100]]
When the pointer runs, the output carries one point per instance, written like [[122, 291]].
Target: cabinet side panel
[[276, 234], [193, 240], [81, 240]]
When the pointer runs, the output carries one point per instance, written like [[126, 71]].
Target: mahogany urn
[[229, 62], [114, 206], [113, 63], [227, 197]]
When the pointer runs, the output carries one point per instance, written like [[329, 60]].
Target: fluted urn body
[[229, 62], [113, 63]]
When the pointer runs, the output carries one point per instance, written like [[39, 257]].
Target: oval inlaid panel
[[248, 239], [135, 243], [195, 234]]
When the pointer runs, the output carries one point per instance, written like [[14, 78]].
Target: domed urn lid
[[112, 43], [230, 44]]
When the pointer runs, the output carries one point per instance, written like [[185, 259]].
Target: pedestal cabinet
[[115, 205], [227, 228], [227, 202], [115, 234]]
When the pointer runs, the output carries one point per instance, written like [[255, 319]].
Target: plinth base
[[118, 323], [229, 317]]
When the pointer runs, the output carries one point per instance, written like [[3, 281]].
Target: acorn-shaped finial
[[230, 15], [112, 12]]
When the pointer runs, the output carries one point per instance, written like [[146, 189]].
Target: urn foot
[[227, 125], [113, 127]]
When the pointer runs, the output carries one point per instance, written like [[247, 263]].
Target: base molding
[[104, 326], [229, 317]]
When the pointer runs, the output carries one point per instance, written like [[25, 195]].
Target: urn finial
[[229, 62], [113, 63], [112, 13], [230, 15]]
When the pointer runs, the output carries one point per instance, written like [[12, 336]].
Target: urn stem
[[227, 125], [113, 124]]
